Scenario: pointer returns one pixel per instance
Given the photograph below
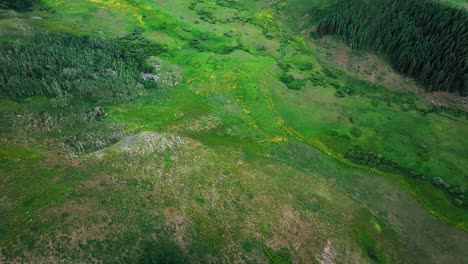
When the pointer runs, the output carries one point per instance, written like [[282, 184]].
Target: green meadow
[[240, 155]]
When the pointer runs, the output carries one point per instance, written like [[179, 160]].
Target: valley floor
[[222, 162]]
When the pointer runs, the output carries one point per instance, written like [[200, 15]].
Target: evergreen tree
[[62, 66], [19, 5], [423, 38]]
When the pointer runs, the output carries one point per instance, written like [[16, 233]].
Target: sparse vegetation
[[214, 131]]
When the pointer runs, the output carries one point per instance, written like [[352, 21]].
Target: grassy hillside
[[212, 157]]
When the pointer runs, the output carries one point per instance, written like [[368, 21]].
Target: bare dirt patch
[[178, 221], [329, 254], [295, 233], [375, 69]]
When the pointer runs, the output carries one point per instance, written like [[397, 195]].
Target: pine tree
[[424, 39]]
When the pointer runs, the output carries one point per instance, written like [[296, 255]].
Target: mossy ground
[[249, 171]]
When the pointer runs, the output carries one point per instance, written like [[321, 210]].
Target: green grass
[[459, 3], [160, 109], [417, 142], [259, 172], [29, 183]]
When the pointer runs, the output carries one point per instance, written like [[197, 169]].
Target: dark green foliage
[[291, 82], [196, 44], [19, 5], [252, 244], [305, 66], [355, 132], [207, 12], [63, 67], [376, 160], [206, 15], [155, 252], [261, 47], [456, 192], [286, 78], [423, 39], [437, 181], [382, 163], [278, 257], [406, 103], [341, 92], [140, 47]]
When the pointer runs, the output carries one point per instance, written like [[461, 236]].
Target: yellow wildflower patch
[[122, 5], [214, 82], [266, 20], [278, 139]]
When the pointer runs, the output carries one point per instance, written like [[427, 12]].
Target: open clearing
[[225, 163]]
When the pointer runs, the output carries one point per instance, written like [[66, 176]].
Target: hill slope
[[215, 131]]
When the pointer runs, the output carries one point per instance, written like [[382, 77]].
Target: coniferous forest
[[233, 131], [19, 5], [423, 39], [63, 66]]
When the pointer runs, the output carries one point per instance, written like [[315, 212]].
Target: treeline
[[423, 39], [376, 160], [64, 66], [19, 5]]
